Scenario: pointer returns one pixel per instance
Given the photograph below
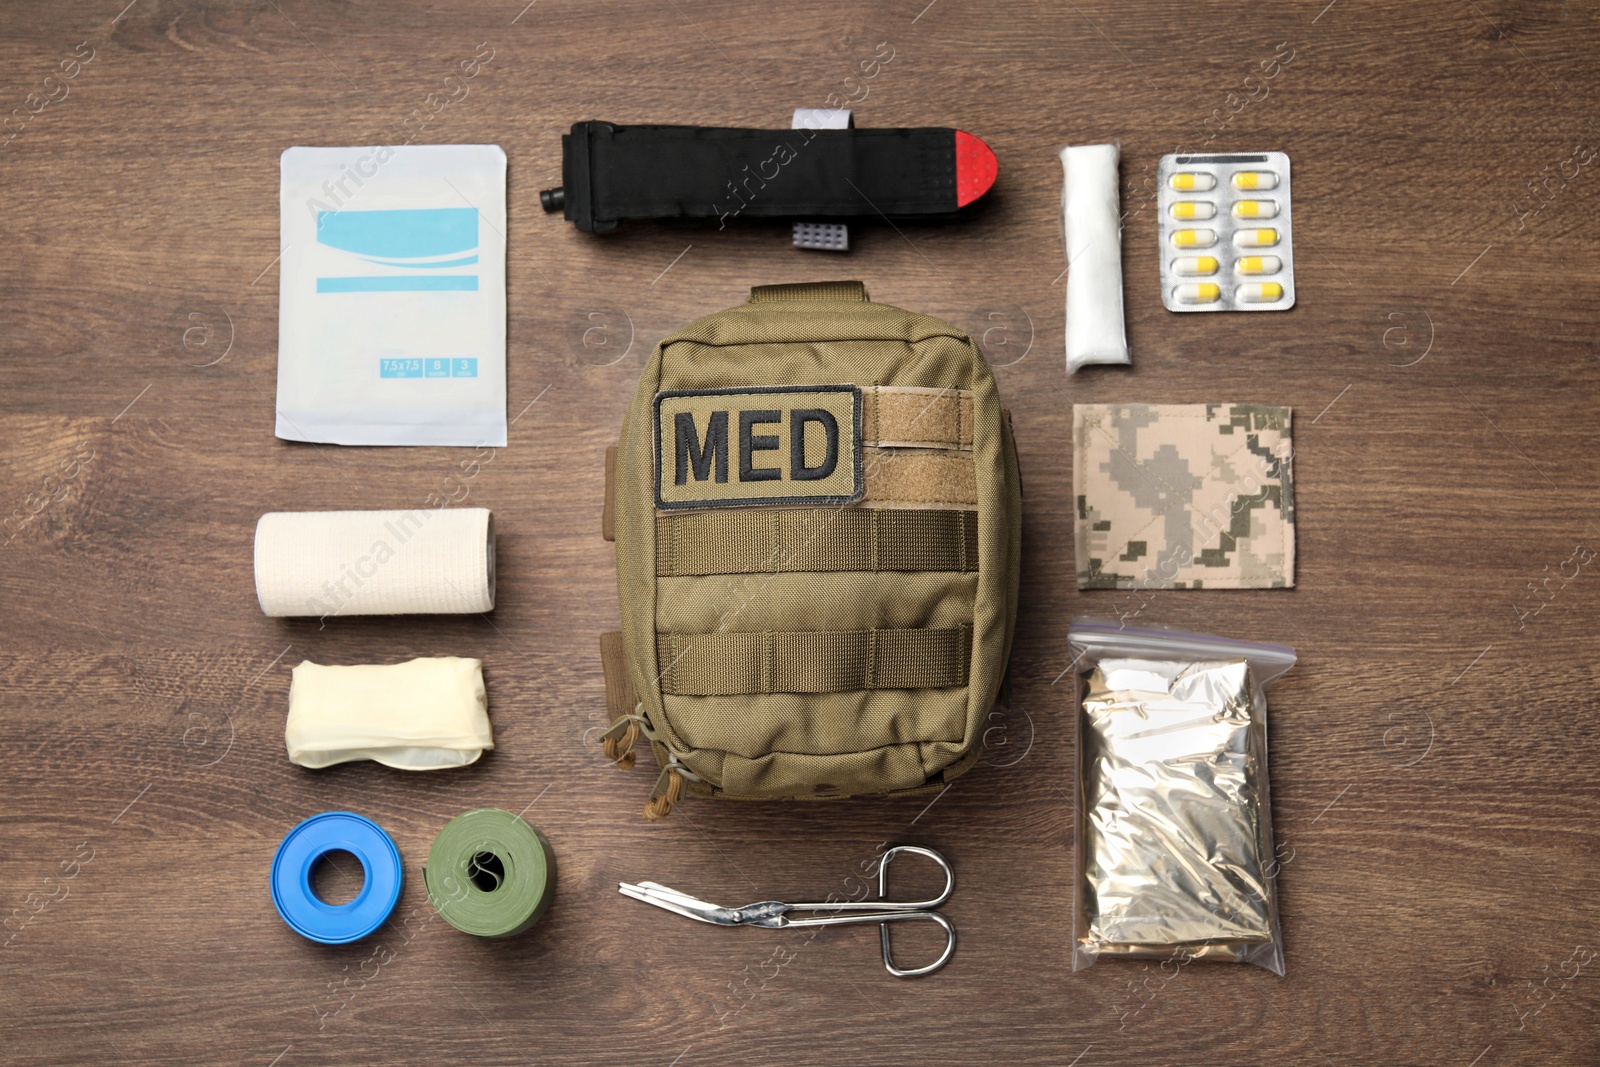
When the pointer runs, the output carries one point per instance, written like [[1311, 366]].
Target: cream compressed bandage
[[422, 715], [429, 561]]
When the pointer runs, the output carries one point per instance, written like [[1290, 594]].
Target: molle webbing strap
[[813, 661], [801, 291], [912, 417], [774, 541], [621, 700], [620, 696], [608, 508]]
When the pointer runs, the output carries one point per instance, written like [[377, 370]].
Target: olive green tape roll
[[490, 874]]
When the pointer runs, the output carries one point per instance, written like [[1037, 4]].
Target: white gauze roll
[[1091, 209], [423, 562]]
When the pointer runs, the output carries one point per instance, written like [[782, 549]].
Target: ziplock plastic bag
[[392, 295], [1175, 852]]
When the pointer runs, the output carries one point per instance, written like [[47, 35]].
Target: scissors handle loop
[[883, 911], [912, 972], [883, 903]]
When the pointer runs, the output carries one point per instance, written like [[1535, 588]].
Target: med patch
[[758, 446]]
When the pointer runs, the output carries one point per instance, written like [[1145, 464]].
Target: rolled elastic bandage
[[422, 715], [428, 561], [1091, 211]]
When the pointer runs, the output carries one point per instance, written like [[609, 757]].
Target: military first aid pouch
[[1175, 857], [392, 295], [817, 513]]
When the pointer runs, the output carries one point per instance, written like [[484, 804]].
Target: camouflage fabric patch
[[1183, 496]]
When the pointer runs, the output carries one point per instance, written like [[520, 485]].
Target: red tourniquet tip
[[976, 168]]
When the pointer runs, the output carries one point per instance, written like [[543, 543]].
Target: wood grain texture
[[1433, 754]]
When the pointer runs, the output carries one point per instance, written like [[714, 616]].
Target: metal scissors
[[775, 914]]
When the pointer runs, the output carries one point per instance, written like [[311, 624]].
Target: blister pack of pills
[[1226, 233]]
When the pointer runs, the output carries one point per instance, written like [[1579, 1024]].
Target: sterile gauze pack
[[392, 297]]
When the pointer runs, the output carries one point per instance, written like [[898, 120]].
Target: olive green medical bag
[[817, 513]]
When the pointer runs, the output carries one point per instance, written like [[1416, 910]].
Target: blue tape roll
[[319, 835]]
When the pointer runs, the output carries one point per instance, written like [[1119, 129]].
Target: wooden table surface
[[1433, 753]]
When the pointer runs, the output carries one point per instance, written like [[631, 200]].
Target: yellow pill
[[1192, 183], [1259, 265], [1256, 238], [1260, 293], [1194, 238], [1194, 266], [1199, 292], [1255, 179], [1255, 209], [1193, 209]]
